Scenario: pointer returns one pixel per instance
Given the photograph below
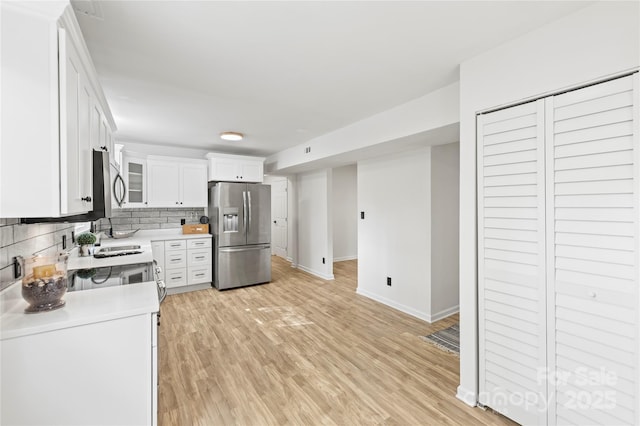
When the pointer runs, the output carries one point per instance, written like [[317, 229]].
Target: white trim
[[444, 313], [406, 309], [343, 258], [188, 288], [466, 396], [316, 273]]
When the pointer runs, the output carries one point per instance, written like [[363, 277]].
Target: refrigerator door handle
[[244, 209], [249, 214]]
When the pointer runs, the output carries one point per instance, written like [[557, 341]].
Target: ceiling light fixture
[[231, 136]]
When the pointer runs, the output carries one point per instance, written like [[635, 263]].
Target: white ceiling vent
[[88, 7]]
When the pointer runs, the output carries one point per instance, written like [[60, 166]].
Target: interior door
[[232, 220], [279, 218], [258, 214], [511, 262]]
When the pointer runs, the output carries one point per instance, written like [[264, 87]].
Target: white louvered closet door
[[592, 253], [511, 261]]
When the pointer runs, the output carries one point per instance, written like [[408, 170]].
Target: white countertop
[[167, 234], [142, 238], [81, 308], [90, 306]]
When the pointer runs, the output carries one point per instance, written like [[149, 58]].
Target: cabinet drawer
[[199, 243], [175, 259], [175, 245], [200, 275], [176, 277], [199, 258]]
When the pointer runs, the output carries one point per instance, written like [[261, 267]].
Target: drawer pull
[[592, 294], [174, 245], [176, 278], [199, 275], [199, 257]]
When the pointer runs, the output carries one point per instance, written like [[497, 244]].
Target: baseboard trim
[[466, 396], [327, 277], [343, 258], [395, 305], [445, 313], [187, 288]]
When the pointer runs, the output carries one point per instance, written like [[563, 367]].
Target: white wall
[[435, 110], [394, 237], [315, 239], [591, 44], [345, 213], [445, 208]]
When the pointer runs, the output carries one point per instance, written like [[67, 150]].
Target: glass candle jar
[[45, 282]]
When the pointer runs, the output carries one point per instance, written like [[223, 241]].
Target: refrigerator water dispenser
[[230, 220]]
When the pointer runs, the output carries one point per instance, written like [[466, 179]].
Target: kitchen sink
[[117, 251], [118, 248]]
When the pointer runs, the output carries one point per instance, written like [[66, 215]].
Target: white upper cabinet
[[52, 98], [193, 180], [174, 182], [235, 168], [163, 183], [75, 124], [134, 173]]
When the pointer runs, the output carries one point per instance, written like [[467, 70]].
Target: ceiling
[[180, 72]]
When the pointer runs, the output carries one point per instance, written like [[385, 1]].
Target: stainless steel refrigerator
[[240, 221]]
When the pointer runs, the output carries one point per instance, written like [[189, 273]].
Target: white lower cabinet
[[176, 277], [100, 373], [157, 248], [558, 245], [175, 262], [184, 262]]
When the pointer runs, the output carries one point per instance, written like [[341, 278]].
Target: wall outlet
[[389, 281], [183, 221]]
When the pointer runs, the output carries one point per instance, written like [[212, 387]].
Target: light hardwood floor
[[302, 350]]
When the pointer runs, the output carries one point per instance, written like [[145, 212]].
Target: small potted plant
[[85, 240]]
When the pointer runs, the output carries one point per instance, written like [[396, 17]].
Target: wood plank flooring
[[303, 351]]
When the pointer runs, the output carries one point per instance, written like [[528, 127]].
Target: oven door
[[135, 274], [109, 276], [162, 288]]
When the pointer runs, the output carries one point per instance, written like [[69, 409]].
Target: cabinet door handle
[[87, 198]]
